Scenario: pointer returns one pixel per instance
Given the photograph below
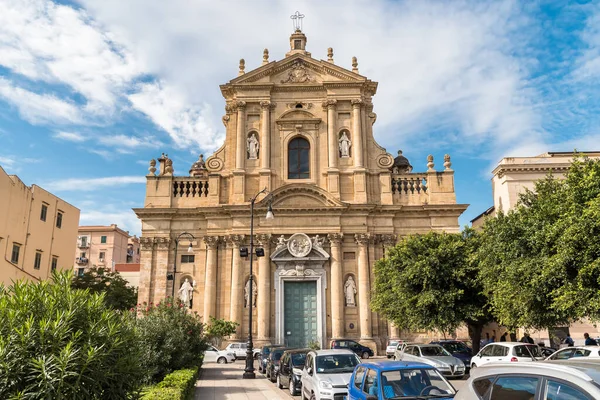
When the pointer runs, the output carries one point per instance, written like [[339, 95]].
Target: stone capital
[[388, 240], [335, 238], [229, 108], [241, 105], [357, 102], [211, 241], [265, 104], [163, 242], [235, 241], [264, 239], [362, 239], [147, 243], [329, 104]]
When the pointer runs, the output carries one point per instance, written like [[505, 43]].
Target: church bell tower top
[[297, 39]]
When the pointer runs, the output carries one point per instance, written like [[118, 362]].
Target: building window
[[44, 212], [81, 271], [84, 241], [14, 257], [297, 44], [298, 159], [102, 239], [54, 263], [38, 260], [59, 220], [82, 254], [101, 256], [187, 258]]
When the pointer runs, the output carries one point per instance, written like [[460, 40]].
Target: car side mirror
[[309, 370], [371, 397]]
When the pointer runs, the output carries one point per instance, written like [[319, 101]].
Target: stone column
[[264, 288], [146, 271], [265, 135], [337, 283], [240, 154], [332, 132], [162, 287], [236, 306], [210, 285], [357, 139], [364, 285]]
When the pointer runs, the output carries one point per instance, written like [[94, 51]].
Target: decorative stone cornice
[[235, 240], [211, 241], [147, 243], [163, 242], [362, 239], [335, 238]]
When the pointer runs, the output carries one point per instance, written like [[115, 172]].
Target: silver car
[[553, 380], [436, 356]]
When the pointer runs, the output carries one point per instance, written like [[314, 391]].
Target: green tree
[[118, 294], [57, 342], [217, 329], [430, 282], [540, 262]]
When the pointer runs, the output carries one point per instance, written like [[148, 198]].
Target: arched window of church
[[299, 159]]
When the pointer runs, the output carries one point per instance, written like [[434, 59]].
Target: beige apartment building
[[302, 129], [513, 176], [104, 247], [37, 231]]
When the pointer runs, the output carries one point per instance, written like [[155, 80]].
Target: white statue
[[253, 147], [318, 242], [185, 293], [281, 243], [345, 145], [350, 291], [247, 293]]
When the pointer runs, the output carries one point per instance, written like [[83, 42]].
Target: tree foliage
[[118, 294], [540, 263], [217, 329], [430, 282], [57, 342]]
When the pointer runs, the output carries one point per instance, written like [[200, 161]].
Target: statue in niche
[[345, 144], [350, 292], [186, 292], [253, 147], [247, 293]]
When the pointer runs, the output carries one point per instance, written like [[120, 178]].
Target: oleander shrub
[[170, 337], [178, 385], [57, 342]]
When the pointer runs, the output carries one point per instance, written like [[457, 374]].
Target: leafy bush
[[57, 342], [171, 338], [178, 385], [118, 294], [217, 329], [314, 345]]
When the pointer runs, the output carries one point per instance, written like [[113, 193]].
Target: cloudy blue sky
[[91, 90]]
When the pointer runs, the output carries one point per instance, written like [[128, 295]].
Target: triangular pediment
[[298, 69], [303, 196]]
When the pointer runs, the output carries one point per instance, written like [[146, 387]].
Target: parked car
[[436, 356], [400, 349], [326, 374], [547, 351], [550, 380], [458, 349], [272, 366], [395, 379], [391, 347], [264, 355], [290, 369], [507, 352], [212, 354], [239, 350], [359, 349], [589, 352]]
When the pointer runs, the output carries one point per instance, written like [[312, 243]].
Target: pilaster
[[162, 287], [146, 261], [364, 285], [237, 283], [337, 301], [210, 284], [333, 173], [264, 288]]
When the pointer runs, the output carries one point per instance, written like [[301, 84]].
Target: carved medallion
[[298, 74], [299, 245]]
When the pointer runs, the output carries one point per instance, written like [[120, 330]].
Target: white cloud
[[7, 161], [70, 136], [92, 184], [131, 142], [126, 219], [39, 108]]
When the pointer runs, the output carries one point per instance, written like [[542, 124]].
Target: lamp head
[[270, 213], [190, 248]]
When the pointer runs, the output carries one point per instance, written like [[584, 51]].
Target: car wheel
[[292, 387], [473, 366], [222, 360], [267, 373], [365, 355], [273, 378], [279, 385], [389, 357]]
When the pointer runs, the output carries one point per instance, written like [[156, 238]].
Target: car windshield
[[527, 351], [276, 354], [393, 343], [298, 360], [336, 363], [410, 383], [433, 351], [455, 347]]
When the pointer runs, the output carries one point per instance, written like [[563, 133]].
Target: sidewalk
[[224, 382]]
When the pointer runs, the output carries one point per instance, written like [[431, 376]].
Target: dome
[[401, 164], [199, 167]]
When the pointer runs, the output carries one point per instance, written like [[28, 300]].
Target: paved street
[[224, 382]]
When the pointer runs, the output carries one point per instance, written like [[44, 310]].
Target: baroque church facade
[[303, 129]]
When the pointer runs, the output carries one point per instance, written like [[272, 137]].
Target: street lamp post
[[249, 370], [190, 249]]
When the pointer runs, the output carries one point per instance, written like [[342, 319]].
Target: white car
[[507, 352], [392, 345], [239, 350], [400, 348], [326, 374], [212, 354], [576, 352], [552, 380]]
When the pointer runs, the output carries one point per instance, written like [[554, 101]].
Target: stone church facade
[[303, 129]]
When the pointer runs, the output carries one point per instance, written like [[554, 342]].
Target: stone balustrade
[[409, 188], [190, 187]]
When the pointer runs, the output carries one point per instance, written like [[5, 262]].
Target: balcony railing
[[81, 260], [190, 187], [83, 245], [409, 188]]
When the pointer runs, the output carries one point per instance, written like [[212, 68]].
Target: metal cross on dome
[[297, 20]]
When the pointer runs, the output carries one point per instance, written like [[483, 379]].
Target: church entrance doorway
[[300, 313]]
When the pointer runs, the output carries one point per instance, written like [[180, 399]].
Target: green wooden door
[[300, 313]]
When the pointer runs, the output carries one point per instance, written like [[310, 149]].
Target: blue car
[[398, 380], [459, 350]]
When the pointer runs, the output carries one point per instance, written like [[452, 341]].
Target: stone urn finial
[[265, 56], [169, 167], [430, 164], [447, 162], [330, 54], [152, 169], [242, 67], [354, 65]]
